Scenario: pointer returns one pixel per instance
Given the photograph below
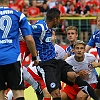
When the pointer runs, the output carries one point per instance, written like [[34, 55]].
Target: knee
[[18, 93], [72, 76], [81, 97], [64, 96]]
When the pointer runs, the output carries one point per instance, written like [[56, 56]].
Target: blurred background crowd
[[77, 9]]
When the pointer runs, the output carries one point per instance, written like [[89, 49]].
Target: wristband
[[34, 58]]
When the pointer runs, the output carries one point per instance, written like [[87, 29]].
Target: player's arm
[[83, 73], [32, 48], [88, 48]]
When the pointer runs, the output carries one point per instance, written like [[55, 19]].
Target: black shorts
[[11, 76], [54, 71], [98, 84]]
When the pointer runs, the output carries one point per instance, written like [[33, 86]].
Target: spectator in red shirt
[[90, 3], [33, 11]]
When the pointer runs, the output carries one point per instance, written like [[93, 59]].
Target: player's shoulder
[[70, 58], [58, 46], [89, 55], [96, 32]]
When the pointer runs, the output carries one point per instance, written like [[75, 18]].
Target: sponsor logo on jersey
[[97, 45], [48, 39], [6, 41], [34, 26]]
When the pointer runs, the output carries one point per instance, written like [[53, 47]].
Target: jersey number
[[5, 25]]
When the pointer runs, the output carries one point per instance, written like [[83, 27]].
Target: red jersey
[[33, 11]]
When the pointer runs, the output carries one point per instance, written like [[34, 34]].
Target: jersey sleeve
[[36, 30], [24, 26], [92, 40]]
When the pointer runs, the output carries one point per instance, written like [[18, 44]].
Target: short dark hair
[[52, 13]]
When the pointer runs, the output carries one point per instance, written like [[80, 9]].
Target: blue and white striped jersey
[[10, 22], [42, 36], [95, 41], [69, 50]]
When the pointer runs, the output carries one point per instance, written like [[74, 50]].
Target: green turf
[[30, 94]]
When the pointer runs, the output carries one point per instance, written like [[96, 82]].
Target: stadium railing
[[69, 21]]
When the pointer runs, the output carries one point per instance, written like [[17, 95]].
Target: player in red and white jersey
[[82, 65], [60, 52]]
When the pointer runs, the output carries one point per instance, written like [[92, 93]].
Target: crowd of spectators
[[82, 8]]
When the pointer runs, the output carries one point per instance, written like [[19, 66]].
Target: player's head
[[53, 16], [98, 20], [72, 33], [79, 48]]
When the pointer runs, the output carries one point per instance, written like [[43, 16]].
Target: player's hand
[[95, 64], [33, 63], [83, 74], [36, 62], [55, 93]]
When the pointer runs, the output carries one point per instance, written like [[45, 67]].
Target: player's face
[[98, 22], [53, 36], [79, 51], [56, 22], [72, 35]]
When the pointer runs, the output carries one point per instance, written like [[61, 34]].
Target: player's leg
[[2, 82], [69, 92], [29, 78], [86, 88], [83, 96], [51, 75], [64, 96], [15, 80], [34, 74], [97, 90], [2, 97], [71, 76], [36, 86]]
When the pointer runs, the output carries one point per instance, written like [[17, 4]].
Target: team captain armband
[[34, 58]]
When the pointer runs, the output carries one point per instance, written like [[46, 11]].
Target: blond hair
[[72, 28], [79, 42]]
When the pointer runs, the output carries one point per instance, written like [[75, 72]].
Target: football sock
[[86, 88], [20, 98], [57, 98], [46, 98]]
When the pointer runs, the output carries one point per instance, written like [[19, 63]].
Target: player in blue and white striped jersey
[[95, 42], [55, 70], [10, 66]]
